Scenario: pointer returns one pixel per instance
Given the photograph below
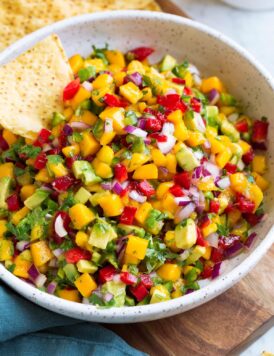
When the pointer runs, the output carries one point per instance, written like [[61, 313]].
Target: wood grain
[[220, 327]]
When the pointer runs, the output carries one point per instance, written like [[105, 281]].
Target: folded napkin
[[27, 329]]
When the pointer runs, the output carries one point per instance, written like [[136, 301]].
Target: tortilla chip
[[31, 87], [20, 17]]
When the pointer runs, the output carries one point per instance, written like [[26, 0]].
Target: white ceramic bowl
[[251, 4], [213, 54]]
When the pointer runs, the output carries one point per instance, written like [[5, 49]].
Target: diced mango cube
[[102, 169], [136, 161], [107, 137], [147, 171], [6, 170], [171, 163], [158, 157], [117, 115], [19, 215], [116, 57], [130, 260], [41, 253], [76, 63], [259, 164], [142, 212], [207, 253], [211, 83], [85, 285], [163, 188], [260, 181], [81, 239], [43, 176], [89, 145], [81, 215], [238, 182], [223, 158], [209, 229], [169, 240], [112, 205], [3, 228], [181, 132], [105, 154], [136, 247], [58, 169], [255, 194], [6, 250], [81, 95], [102, 80], [131, 92], [9, 137], [72, 150], [170, 272], [195, 138], [69, 294], [21, 267], [27, 190]]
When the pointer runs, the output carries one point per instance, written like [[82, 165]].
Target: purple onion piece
[[107, 297], [51, 287], [135, 78], [106, 186], [216, 270], [249, 241], [213, 96], [231, 251], [142, 123], [33, 272], [67, 129], [117, 188]]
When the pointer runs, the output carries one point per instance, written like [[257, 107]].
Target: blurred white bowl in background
[[251, 4]]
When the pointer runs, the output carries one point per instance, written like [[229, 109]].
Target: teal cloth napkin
[[29, 330]]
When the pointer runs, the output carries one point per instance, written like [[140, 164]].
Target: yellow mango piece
[[171, 163], [21, 267], [117, 115], [70, 151], [207, 253], [102, 80], [69, 294], [81, 239], [216, 145], [147, 94], [56, 130], [3, 228], [176, 294], [169, 205], [6, 170], [163, 188], [40, 252], [98, 95], [107, 137], [43, 176], [68, 112], [255, 194], [238, 182], [169, 240], [130, 260], [189, 79], [112, 205], [142, 212], [136, 161], [181, 132], [175, 117], [209, 229], [211, 83], [105, 154], [227, 110], [147, 171], [136, 247], [158, 157], [85, 285], [58, 169], [195, 138], [259, 164], [245, 146], [102, 169], [119, 78], [81, 215], [88, 117], [233, 217], [36, 232], [27, 190], [76, 63], [19, 215], [223, 158], [9, 137], [6, 250], [95, 62], [261, 182], [89, 145], [131, 92], [159, 293], [136, 66], [116, 57], [207, 185], [81, 95], [169, 272]]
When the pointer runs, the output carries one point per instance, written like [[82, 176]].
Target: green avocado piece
[[131, 229], [82, 195], [85, 266], [118, 290], [5, 183], [102, 232], [229, 130], [196, 253], [71, 272], [186, 158], [167, 63], [36, 199], [227, 99], [154, 222], [84, 171], [212, 117], [186, 234], [24, 179]]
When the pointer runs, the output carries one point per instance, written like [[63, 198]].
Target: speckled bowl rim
[[164, 309]]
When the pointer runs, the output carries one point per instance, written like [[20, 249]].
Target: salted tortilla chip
[[20, 17], [31, 87]]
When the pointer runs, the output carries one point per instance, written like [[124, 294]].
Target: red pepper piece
[[176, 190], [76, 254], [146, 188], [140, 53], [205, 221], [248, 157], [207, 272], [196, 104], [106, 274], [227, 241], [3, 143], [216, 254], [158, 137], [171, 102], [214, 206], [230, 168], [260, 130], [153, 124], [40, 161], [62, 184], [42, 138], [114, 101], [128, 214], [71, 89], [159, 115], [253, 219], [178, 81], [245, 205], [242, 125], [146, 280], [200, 239], [13, 202], [187, 91], [128, 278], [120, 172], [183, 179], [139, 292], [69, 161]]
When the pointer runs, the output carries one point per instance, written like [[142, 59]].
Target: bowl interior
[[213, 55]]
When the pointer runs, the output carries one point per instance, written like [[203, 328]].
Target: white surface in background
[[255, 32]]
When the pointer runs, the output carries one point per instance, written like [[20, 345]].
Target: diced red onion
[[48, 216], [147, 141], [51, 287], [116, 278], [167, 146], [213, 96], [207, 145], [235, 248], [212, 169], [67, 129], [46, 188], [108, 127], [168, 128], [213, 239], [184, 255], [185, 212], [197, 79], [249, 241], [125, 184], [58, 252], [107, 297], [233, 117], [106, 186], [216, 270], [142, 123], [170, 91], [136, 131], [117, 188], [197, 172], [22, 245], [85, 301], [88, 86], [46, 147], [182, 201], [223, 183], [198, 154], [199, 122], [240, 165], [33, 272], [40, 280], [135, 78], [77, 125], [59, 227], [133, 194], [193, 69]]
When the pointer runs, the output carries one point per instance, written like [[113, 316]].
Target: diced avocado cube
[[98, 129], [227, 99], [82, 196], [159, 294], [36, 199], [57, 118], [84, 171], [154, 222], [212, 117], [24, 179], [186, 158], [96, 256], [167, 63], [186, 234], [101, 233], [95, 198], [85, 266], [71, 272], [5, 183], [196, 253], [129, 301], [61, 273], [228, 129], [131, 229], [118, 290]]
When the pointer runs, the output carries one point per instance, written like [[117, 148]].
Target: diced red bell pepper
[[42, 138], [196, 104], [120, 172], [140, 53], [248, 157], [187, 91], [146, 188], [214, 206], [40, 161], [128, 214], [106, 274], [128, 278], [205, 221], [159, 115], [253, 219], [230, 168], [76, 254], [207, 272], [183, 179], [200, 239], [176, 190], [245, 205], [139, 291], [13, 202], [178, 81], [171, 102], [114, 101], [242, 125], [216, 254], [158, 137], [260, 130], [146, 280], [71, 89], [153, 124], [61, 184], [227, 241], [69, 161], [3, 143]]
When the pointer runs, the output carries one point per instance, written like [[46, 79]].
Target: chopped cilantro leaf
[[86, 73], [30, 151], [222, 230]]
